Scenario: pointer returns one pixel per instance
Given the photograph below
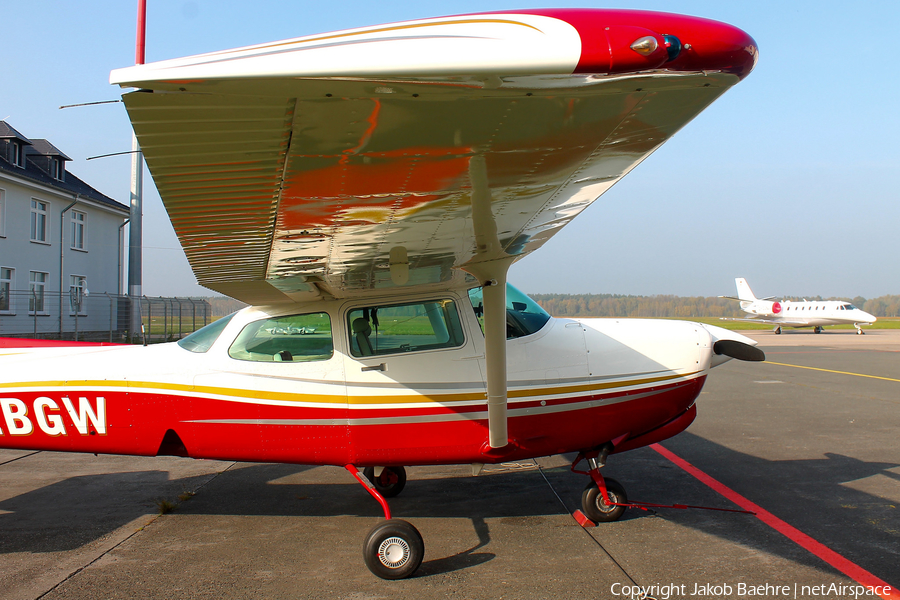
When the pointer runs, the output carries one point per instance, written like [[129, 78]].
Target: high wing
[[353, 162]]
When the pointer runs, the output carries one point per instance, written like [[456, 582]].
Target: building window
[[77, 294], [7, 283], [37, 282], [56, 169], [38, 221], [18, 155], [79, 229]]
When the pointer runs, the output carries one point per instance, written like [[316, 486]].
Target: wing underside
[[287, 188]]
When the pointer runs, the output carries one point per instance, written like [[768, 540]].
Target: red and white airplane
[[366, 191], [786, 313]]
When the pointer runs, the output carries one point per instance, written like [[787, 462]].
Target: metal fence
[[99, 316]]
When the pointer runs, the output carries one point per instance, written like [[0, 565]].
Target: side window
[[404, 328], [295, 338]]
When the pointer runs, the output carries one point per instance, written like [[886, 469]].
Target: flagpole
[[135, 240]]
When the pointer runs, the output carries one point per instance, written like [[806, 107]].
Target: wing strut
[[492, 276], [490, 269]]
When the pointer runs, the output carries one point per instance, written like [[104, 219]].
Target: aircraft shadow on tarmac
[[805, 493], [78, 510]]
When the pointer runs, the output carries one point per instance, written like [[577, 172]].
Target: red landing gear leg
[[393, 549], [603, 499]]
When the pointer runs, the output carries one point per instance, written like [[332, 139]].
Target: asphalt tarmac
[[810, 440]]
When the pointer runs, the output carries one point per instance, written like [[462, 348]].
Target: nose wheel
[[603, 499], [602, 509], [777, 330]]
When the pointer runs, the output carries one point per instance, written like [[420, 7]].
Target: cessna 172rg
[[785, 313], [366, 191]]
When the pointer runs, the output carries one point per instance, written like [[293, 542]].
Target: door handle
[[378, 367]]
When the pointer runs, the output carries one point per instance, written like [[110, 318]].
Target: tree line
[[618, 305]]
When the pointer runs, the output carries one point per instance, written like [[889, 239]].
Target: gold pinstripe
[[371, 31], [338, 399]]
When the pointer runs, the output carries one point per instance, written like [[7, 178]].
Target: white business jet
[[816, 314]]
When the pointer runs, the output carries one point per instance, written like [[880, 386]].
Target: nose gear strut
[[604, 500]]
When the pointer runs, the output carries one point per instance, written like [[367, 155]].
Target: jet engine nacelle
[[763, 308]]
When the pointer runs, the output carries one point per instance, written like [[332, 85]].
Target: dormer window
[[57, 169], [18, 155]]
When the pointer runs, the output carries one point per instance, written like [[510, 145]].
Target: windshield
[[524, 316], [203, 339]]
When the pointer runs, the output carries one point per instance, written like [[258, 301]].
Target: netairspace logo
[[741, 589]]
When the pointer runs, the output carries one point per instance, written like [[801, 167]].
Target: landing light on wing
[[645, 46]]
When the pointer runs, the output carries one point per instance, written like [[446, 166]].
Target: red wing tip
[[606, 36]]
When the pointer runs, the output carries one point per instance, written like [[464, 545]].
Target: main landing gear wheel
[[393, 549], [596, 509], [778, 331], [817, 330], [390, 482]]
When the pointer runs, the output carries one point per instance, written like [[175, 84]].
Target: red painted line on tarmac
[[848, 568]]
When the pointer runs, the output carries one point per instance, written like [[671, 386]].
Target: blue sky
[[789, 180]]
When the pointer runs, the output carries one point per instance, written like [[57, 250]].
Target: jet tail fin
[[743, 290]]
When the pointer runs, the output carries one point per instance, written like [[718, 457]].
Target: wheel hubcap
[[603, 506], [393, 552]]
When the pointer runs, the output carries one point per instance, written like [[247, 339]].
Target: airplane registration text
[[47, 415]]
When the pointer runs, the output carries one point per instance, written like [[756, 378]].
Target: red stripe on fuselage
[[137, 421]]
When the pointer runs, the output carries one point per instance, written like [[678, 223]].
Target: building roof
[[45, 148], [33, 172], [8, 131]]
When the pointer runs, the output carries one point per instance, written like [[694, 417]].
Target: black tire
[[390, 482], [393, 549], [596, 509]]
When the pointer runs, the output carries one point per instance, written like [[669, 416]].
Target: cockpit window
[[399, 328], [202, 340], [294, 338], [850, 307], [524, 316]]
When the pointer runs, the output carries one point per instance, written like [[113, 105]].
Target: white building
[[57, 233]]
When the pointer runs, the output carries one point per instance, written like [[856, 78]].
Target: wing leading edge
[[350, 163]]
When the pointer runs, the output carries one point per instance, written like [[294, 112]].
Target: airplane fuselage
[[808, 313], [266, 388]]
